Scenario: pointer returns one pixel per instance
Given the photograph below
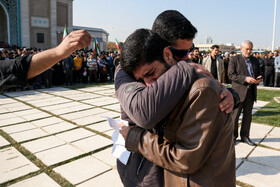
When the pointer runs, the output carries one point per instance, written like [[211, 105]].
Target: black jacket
[[14, 72]]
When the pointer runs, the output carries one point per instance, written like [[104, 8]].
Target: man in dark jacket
[[17, 72], [269, 70], [245, 72], [195, 145]]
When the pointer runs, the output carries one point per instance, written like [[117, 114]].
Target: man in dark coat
[[245, 72]]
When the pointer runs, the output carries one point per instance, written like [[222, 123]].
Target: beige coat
[[220, 66]]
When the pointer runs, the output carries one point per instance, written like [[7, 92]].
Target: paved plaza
[[59, 137]]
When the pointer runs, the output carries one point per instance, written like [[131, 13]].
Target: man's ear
[[168, 56]]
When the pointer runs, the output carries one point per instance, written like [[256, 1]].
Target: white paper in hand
[[119, 150]]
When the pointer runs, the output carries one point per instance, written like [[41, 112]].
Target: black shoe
[[248, 141]]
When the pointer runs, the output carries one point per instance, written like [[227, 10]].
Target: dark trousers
[[69, 77], [268, 78], [93, 76], [246, 106], [77, 76]]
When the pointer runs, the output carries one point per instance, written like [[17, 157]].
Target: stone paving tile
[[36, 116], [58, 154], [275, 132], [67, 93], [12, 107], [49, 101], [3, 141], [38, 96], [82, 169], [115, 107], [22, 93], [258, 131], [272, 141], [10, 121], [3, 110], [110, 178], [101, 101], [18, 128], [59, 127], [7, 116], [111, 114], [28, 135], [89, 120], [43, 144], [267, 157], [109, 92], [242, 150], [14, 164], [107, 157], [6, 100], [59, 106], [258, 175], [76, 134], [109, 133], [54, 90], [83, 96], [26, 112], [112, 86], [101, 127], [83, 113], [92, 143], [47, 121], [42, 180], [73, 108], [93, 89]]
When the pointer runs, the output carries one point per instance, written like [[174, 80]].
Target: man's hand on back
[[227, 101]]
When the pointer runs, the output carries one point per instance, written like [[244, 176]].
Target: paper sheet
[[119, 150]]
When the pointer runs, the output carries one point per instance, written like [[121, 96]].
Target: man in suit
[[245, 73], [214, 64]]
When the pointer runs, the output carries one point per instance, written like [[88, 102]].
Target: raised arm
[[46, 59]]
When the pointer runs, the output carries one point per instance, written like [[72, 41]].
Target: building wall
[[40, 23], [12, 9], [47, 17]]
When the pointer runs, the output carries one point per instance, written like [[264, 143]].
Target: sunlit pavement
[[66, 130]]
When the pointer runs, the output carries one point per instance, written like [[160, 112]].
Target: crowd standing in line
[[80, 67]]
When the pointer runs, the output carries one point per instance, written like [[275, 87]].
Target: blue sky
[[225, 21]]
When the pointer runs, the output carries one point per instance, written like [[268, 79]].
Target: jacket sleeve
[[232, 71], [196, 136], [146, 106], [14, 72]]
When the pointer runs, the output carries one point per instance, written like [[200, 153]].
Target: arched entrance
[[4, 25]]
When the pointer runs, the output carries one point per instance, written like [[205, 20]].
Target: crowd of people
[[269, 63], [88, 68], [80, 67]]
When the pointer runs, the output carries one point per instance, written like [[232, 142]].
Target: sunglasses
[[179, 52]]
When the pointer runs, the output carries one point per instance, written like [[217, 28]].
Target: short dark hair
[[196, 48], [171, 25], [215, 46], [141, 47]]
